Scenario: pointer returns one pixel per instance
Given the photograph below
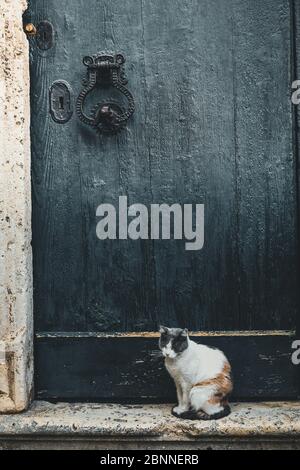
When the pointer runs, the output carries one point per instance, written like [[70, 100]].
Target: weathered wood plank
[[131, 368], [266, 189]]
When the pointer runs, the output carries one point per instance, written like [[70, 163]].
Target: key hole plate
[[61, 101], [44, 35]]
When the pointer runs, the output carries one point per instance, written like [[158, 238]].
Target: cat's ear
[[163, 329], [185, 332]]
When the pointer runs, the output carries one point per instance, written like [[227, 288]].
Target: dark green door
[[213, 125]]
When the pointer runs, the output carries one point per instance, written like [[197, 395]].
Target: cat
[[202, 375]]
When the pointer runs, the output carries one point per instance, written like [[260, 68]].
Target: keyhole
[[61, 102], [44, 36]]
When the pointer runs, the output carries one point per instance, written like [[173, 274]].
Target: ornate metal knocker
[[105, 70]]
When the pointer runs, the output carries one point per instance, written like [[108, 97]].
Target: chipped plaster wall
[[15, 213]]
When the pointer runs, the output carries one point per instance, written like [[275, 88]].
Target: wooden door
[[213, 125]]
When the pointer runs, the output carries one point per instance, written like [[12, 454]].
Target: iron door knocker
[[105, 70]]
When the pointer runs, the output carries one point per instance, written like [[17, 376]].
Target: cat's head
[[173, 341]]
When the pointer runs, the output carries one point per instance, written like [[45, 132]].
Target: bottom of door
[[128, 367]]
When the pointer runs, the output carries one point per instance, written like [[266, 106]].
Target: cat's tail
[[200, 415]]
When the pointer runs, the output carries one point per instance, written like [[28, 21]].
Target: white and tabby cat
[[201, 375]]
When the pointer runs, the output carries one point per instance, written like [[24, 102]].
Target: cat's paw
[[178, 410], [184, 413]]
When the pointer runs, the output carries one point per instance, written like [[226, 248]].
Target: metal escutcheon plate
[[61, 106]]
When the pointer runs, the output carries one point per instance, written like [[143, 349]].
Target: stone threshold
[[266, 425]]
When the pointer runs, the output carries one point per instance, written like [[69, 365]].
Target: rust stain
[[10, 364]]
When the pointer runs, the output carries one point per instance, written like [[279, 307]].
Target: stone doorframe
[[16, 319]]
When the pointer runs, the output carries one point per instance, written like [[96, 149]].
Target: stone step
[[266, 425]]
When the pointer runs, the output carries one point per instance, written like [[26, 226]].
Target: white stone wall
[[16, 335]]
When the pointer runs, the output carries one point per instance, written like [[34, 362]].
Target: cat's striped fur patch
[[222, 383]]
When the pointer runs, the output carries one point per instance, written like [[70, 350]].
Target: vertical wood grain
[[213, 125], [266, 185]]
